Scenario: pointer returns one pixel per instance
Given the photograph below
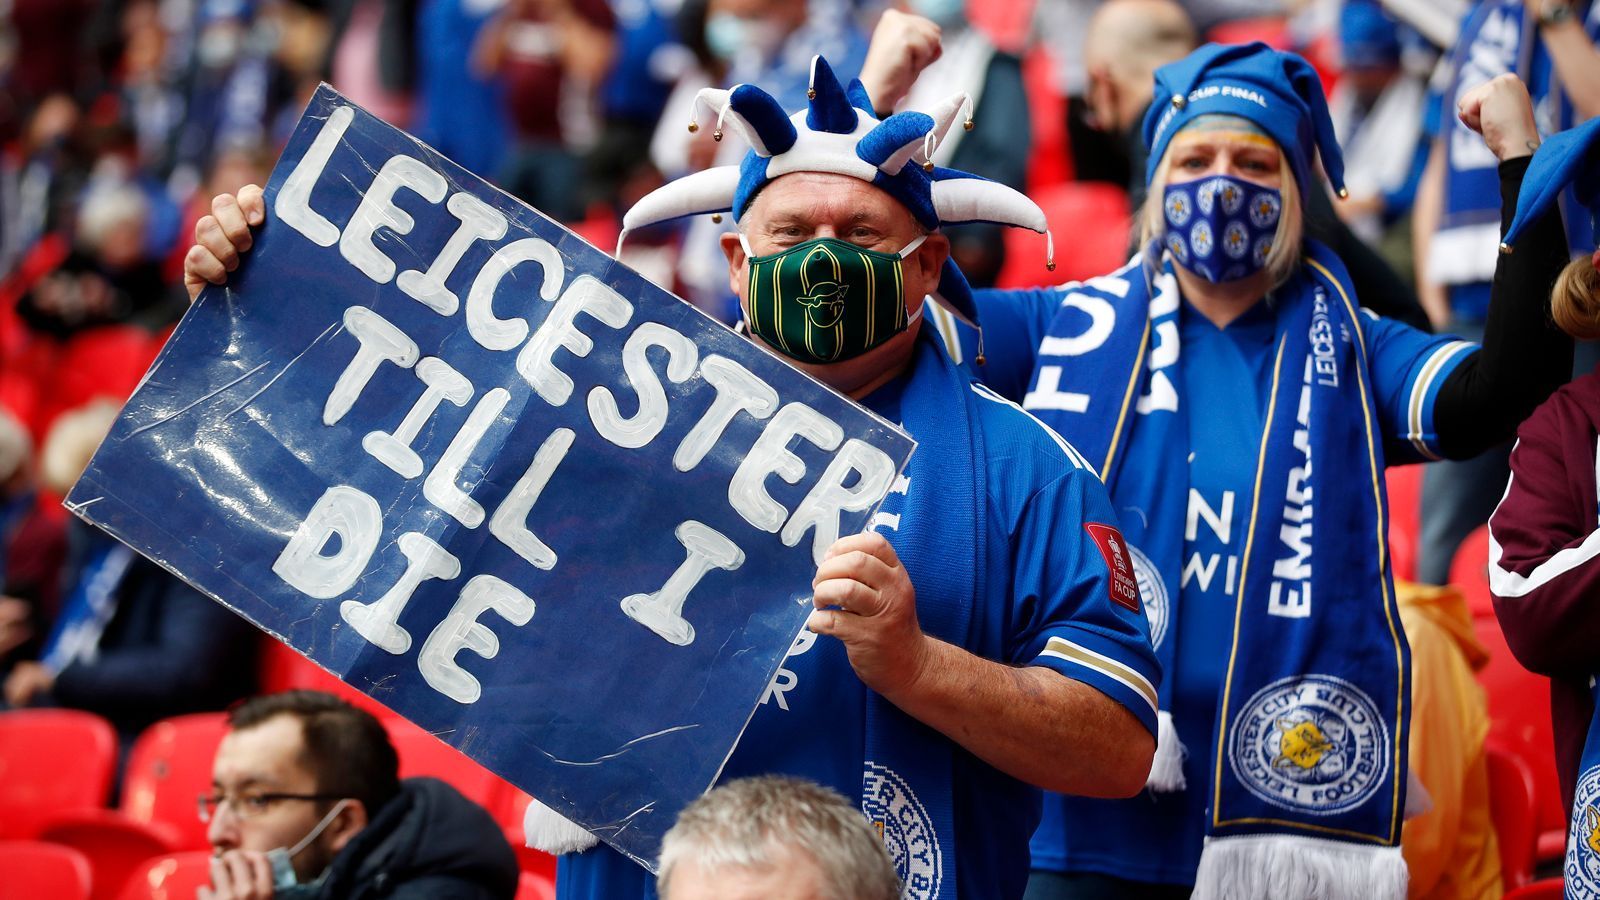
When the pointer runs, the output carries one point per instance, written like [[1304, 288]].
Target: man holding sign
[[987, 637]]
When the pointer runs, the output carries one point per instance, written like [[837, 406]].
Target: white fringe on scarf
[[1166, 773], [1276, 867], [548, 830]]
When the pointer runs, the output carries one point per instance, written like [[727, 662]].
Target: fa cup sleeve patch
[[1124, 587]]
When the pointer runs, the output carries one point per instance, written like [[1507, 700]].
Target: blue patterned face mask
[[1221, 228]]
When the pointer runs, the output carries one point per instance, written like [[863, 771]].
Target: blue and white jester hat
[[839, 133], [1569, 158], [1278, 91]]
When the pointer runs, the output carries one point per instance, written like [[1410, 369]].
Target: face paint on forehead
[[1212, 128]]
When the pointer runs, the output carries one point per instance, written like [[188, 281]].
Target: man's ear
[[930, 258], [350, 821], [734, 251]]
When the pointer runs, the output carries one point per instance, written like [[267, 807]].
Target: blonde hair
[[1282, 259], [1575, 300]]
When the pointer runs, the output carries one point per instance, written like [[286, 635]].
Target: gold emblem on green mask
[[826, 300]]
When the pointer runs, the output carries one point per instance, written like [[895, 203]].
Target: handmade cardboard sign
[[485, 473]]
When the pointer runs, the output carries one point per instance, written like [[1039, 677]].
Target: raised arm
[[902, 46], [1525, 357]]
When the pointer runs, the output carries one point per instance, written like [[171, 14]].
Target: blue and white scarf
[[909, 771], [1308, 790], [907, 786], [75, 637], [1582, 866]]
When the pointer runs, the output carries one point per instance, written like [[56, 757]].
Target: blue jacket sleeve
[[1014, 322]]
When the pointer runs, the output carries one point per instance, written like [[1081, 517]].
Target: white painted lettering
[[342, 512], [536, 361], [640, 429]]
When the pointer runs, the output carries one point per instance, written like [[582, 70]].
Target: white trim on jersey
[[1508, 584], [1073, 456], [1060, 648], [1416, 428]]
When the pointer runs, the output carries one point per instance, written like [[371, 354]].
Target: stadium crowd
[[1417, 172]]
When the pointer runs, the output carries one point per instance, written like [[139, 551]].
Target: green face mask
[[827, 300]]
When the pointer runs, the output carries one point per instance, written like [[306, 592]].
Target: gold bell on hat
[[693, 127], [1179, 102]]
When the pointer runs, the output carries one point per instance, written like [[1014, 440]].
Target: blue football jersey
[[1049, 601], [1223, 378]]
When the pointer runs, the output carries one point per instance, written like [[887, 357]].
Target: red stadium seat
[[1081, 252], [1469, 570], [1545, 889], [175, 877], [535, 887], [51, 761], [283, 668], [1050, 156], [169, 767], [1519, 722], [1511, 803], [1270, 30], [1405, 507], [115, 845], [423, 754], [35, 870]]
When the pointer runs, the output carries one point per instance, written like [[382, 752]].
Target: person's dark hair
[[346, 748]]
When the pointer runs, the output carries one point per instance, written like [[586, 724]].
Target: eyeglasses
[[248, 806]]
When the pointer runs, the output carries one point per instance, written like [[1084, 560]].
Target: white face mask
[[281, 859]]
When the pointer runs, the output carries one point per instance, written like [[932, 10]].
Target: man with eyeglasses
[[307, 802]]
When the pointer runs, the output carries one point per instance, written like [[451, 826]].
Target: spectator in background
[[41, 179], [1450, 848], [372, 55], [1377, 108], [1126, 41], [307, 803], [1543, 539], [548, 55], [1551, 46], [32, 548], [132, 642], [649, 61], [997, 146], [765, 42], [774, 837], [460, 111], [107, 277]]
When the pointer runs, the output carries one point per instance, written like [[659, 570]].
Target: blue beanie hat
[[1571, 157], [1368, 38], [1278, 91]]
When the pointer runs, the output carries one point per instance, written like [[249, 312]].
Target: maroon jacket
[[1544, 560]]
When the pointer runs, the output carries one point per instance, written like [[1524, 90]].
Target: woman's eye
[[1193, 164]]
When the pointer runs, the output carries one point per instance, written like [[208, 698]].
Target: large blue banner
[[483, 472]]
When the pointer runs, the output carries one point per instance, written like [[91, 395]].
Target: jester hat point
[[839, 133]]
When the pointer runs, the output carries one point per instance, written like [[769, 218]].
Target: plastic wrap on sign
[[491, 477]]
